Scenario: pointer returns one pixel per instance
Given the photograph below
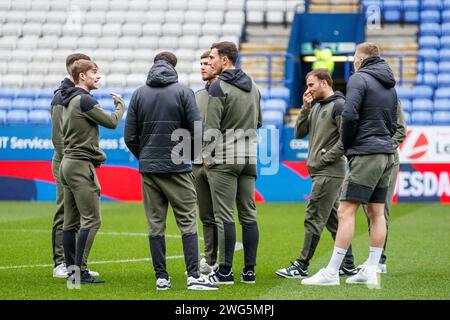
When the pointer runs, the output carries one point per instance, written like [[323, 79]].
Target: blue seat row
[[427, 118]]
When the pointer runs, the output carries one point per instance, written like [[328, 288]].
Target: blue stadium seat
[[17, 117], [46, 93], [446, 4], [280, 93], [27, 93], [421, 118], [441, 118], [441, 105], [444, 55], [429, 42], [427, 67], [406, 105], [2, 117], [411, 16], [446, 16], [265, 93], [422, 105], [22, 104], [445, 42], [432, 5], [41, 104], [428, 79], [404, 93], [392, 10], [442, 93], [411, 4], [444, 80], [5, 104], [273, 118], [429, 54], [430, 16], [430, 29], [444, 67], [276, 104], [107, 104], [39, 117], [422, 92], [407, 116], [445, 28], [8, 93]]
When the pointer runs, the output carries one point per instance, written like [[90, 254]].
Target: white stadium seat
[[92, 30], [115, 16], [174, 17], [194, 16], [212, 29], [189, 42], [51, 29], [132, 29], [172, 29], [108, 42], [112, 29], [151, 29], [128, 42], [88, 42]]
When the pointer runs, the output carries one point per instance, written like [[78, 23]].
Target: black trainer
[[348, 270], [248, 276], [85, 278], [294, 271], [219, 278]]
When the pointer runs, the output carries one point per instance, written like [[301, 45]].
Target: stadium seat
[[432, 5], [39, 117], [422, 92], [429, 54], [430, 29], [444, 55], [446, 16], [27, 93], [422, 105], [280, 93], [444, 80], [172, 16], [17, 117], [407, 116], [445, 29], [445, 42], [442, 105], [391, 10], [429, 42], [406, 105], [405, 93], [276, 104], [5, 104], [430, 16], [46, 93], [2, 117], [428, 79], [265, 93], [421, 118], [427, 67], [446, 4], [21, 104], [272, 118], [442, 93], [441, 118], [41, 104], [213, 17]]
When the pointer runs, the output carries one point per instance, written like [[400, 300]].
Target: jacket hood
[[161, 74], [66, 83], [336, 95], [69, 92], [237, 78], [380, 70]]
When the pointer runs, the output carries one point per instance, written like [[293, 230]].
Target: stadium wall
[[25, 167]]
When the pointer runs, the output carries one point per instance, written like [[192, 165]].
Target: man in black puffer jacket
[[369, 121], [158, 111]]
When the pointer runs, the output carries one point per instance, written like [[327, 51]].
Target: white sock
[[374, 257], [336, 260]]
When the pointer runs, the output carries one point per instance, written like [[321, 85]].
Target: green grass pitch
[[418, 256]]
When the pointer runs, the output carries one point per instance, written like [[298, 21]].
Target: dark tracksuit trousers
[[81, 209], [211, 227], [158, 190], [230, 184], [58, 219], [321, 212]]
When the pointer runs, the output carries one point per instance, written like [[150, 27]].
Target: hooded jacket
[[56, 110], [81, 117], [322, 122], [156, 110], [369, 118], [233, 106]]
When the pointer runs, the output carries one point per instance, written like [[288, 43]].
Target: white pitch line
[[239, 246]]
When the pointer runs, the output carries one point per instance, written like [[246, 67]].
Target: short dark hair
[[228, 49], [71, 58], [81, 66], [168, 57], [205, 54], [321, 74]]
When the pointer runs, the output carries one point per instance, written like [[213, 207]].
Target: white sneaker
[[200, 283], [95, 274], [367, 276], [322, 278], [205, 267], [382, 268], [60, 271], [163, 284]]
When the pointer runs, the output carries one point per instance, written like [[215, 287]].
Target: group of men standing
[[167, 127], [202, 149]]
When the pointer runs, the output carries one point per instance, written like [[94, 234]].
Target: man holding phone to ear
[[320, 118]]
